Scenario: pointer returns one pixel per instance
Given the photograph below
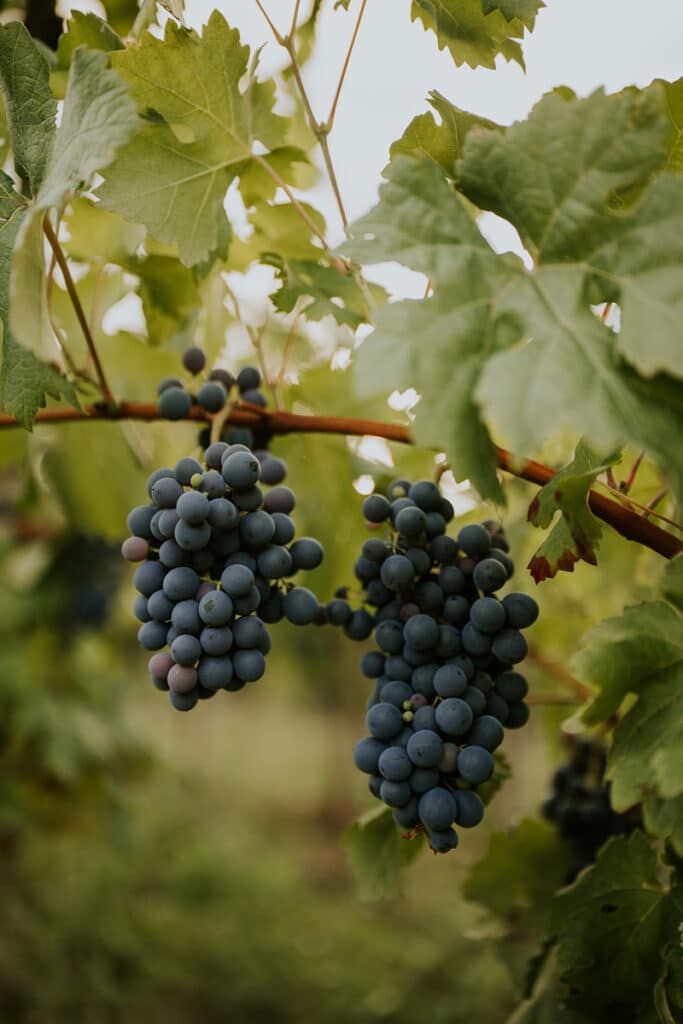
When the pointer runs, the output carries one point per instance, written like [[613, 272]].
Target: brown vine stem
[[553, 668], [630, 525], [345, 68], [63, 265]]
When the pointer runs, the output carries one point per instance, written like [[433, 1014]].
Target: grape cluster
[[580, 805], [176, 401], [215, 553], [445, 684]]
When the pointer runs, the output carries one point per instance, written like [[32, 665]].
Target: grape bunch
[[446, 646], [580, 805], [176, 401], [215, 555]]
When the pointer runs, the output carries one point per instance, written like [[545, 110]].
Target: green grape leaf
[[546, 1002], [665, 818], [577, 533], [31, 109], [439, 345], [278, 232], [640, 655], [612, 923], [472, 36], [97, 118], [442, 141], [525, 10], [672, 582], [85, 29], [306, 279], [200, 132], [378, 853], [25, 382], [169, 294], [520, 871], [94, 234], [674, 105]]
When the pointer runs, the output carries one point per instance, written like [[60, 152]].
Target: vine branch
[[63, 265], [626, 522]]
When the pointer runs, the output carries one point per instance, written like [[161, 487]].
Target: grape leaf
[[546, 1002], [306, 279], [470, 35], [665, 818], [613, 923], [200, 132], [85, 29], [97, 118], [640, 654], [278, 231], [520, 871], [674, 105], [438, 345], [95, 234], [169, 294], [31, 109], [525, 10], [577, 533], [25, 382], [443, 142], [378, 853]]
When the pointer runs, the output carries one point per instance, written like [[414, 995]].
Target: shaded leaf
[[520, 871], [378, 853], [442, 141], [471, 36], [305, 279], [577, 533], [31, 110]]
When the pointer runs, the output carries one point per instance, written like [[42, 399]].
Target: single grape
[[213, 456], [454, 716], [475, 540], [182, 678], [223, 514], [140, 609], [406, 816], [397, 572], [185, 617], [360, 625], [160, 606], [194, 359], [135, 549], [422, 563], [185, 649], [224, 377], [376, 508], [473, 641], [421, 632], [213, 484], [215, 672], [449, 641], [475, 764], [450, 681], [487, 614], [148, 577], [172, 556], [521, 610], [191, 538], [216, 640], [510, 646], [248, 378], [237, 580], [174, 403], [451, 579], [396, 692], [338, 612], [152, 635], [512, 686], [366, 754], [425, 748], [486, 732], [184, 701], [442, 840], [256, 529], [449, 758], [498, 707], [437, 808], [168, 382], [394, 764], [193, 507], [372, 664], [307, 553], [280, 499], [444, 550], [248, 665], [456, 610], [489, 575], [389, 636], [384, 721], [396, 667], [424, 779], [518, 715], [275, 562], [469, 808], [424, 718], [300, 606], [212, 396], [395, 794], [241, 471], [273, 471], [410, 521]]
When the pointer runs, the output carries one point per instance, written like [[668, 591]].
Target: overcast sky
[[580, 43]]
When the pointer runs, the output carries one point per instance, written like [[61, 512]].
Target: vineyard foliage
[[156, 171]]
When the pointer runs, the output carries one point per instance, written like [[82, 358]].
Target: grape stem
[[63, 265], [626, 522]]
